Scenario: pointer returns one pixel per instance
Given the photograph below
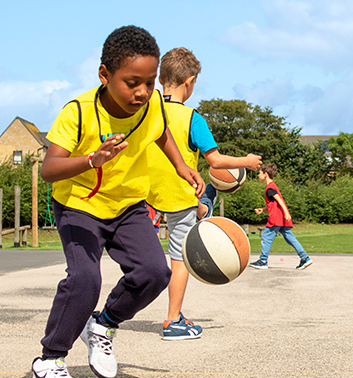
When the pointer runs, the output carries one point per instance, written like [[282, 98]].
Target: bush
[[313, 202], [21, 175]]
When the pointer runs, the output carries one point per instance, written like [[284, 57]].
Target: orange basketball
[[227, 180], [216, 250]]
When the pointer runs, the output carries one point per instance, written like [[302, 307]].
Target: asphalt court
[[279, 322]]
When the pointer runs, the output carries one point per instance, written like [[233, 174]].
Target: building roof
[[40, 137], [309, 139]]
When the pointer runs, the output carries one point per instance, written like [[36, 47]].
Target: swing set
[[48, 213], [48, 217]]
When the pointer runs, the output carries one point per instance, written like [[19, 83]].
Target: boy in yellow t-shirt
[[97, 162], [178, 73]]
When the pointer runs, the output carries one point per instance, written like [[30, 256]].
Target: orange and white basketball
[[216, 250]]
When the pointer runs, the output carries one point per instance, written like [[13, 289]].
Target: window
[[17, 157]]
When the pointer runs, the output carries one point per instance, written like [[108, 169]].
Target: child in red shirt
[[279, 220]]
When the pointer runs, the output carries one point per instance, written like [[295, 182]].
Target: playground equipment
[[16, 231]]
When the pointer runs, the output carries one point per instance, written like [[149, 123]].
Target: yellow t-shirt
[[125, 180], [169, 192]]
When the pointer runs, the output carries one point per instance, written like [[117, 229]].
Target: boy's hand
[[287, 217], [193, 178], [107, 150], [259, 211], [254, 162]]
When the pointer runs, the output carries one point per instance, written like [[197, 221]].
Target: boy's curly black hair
[[127, 41]]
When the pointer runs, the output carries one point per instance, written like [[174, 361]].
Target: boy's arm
[[220, 161], [287, 216], [156, 218], [167, 144], [57, 164]]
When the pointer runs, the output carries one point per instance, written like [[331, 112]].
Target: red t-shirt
[[154, 215], [275, 212]]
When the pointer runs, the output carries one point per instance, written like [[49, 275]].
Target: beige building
[[309, 139], [22, 138]]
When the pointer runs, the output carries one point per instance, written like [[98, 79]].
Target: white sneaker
[[98, 339], [50, 368]]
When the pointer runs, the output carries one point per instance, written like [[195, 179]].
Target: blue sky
[[292, 56]]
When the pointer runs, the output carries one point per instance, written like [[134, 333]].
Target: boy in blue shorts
[[279, 220], [178, 73], [98, 166]]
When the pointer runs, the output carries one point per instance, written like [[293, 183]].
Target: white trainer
[[99, 341], [50, 368]]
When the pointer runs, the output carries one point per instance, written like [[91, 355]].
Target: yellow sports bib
[[169, 192], [81, 127]]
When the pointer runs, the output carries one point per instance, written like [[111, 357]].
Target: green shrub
[[313, 202], [21, 175]]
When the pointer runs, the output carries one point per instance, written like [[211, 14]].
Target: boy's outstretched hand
[[254, 162], [193, 178], [108, 150]]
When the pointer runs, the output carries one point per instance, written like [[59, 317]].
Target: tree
[[341, 148], [240, 128], [21, 175]]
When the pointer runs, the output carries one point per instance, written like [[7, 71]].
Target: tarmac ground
[[279, 322]]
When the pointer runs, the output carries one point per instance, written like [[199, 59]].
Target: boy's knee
[[155, 280], [160, 278], [88, 284]]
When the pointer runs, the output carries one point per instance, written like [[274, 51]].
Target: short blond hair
[[177, 65]]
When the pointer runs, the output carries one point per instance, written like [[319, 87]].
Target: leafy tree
[[21, 175], [341, 148], [240, 128]]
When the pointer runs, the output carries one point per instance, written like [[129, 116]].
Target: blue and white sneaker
[[183, 330], [259, 264], [304, 263]]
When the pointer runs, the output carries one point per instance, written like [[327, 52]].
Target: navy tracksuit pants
[[131, 241]]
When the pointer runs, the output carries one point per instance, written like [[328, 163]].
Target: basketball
[[227, 180], [216, 250]]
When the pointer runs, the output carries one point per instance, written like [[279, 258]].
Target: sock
[[47, 358], [104, 320], [177, 320]]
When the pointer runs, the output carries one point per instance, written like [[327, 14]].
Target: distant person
[[178, 73], [279, 220], [97, 163], [155, 217]]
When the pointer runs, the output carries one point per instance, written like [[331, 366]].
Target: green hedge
[[314, 202], [21, 175]]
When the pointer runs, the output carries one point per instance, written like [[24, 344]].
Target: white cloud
[[317, 32], [40, 102], [23, 93], [271, 92], [319, 111]]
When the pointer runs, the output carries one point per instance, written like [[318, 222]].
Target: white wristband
[[90, 159]]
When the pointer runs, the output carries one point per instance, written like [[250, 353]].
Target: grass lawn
[[315, 238]]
